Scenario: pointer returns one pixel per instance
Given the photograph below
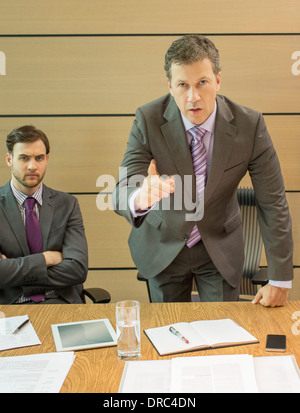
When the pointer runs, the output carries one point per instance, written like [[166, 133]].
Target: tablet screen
[[83, 335]]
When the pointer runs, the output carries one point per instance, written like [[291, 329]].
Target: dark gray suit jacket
[[62, 230], [241, 143]]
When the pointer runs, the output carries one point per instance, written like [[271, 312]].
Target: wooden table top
[[100, 370]]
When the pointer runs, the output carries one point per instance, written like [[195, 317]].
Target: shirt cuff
[[281, 284], [133, 212]]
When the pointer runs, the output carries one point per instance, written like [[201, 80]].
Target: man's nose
[[193, 95], [32, 164]]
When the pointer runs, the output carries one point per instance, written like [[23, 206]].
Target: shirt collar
[[20, 196], [208, 124]]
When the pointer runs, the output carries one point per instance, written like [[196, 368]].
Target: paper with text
[[25, 337], [35, 373]]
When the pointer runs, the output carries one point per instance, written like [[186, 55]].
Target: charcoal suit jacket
[[62, 230], [241, 143]]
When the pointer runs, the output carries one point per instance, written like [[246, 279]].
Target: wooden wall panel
[[144, 16], [107, 234], [122, 284], [115, 75], [294, 294]]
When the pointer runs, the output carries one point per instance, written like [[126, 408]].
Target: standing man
[[43, 249], [195, 133]]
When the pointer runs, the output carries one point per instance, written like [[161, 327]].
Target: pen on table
[[176, 333], [21, 326]]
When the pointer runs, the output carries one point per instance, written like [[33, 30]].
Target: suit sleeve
[[74, 266], [133, 169], [27, 270], [273, 211]]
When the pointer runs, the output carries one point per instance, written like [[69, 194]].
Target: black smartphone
[[276, 342]]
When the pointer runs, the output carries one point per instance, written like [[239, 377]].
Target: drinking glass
[[128, 329]]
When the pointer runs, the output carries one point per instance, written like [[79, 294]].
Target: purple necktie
[[199, 157], [34, 235]]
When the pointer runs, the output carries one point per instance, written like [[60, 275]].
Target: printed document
[[35, 373], [213, 374], [23, 338]]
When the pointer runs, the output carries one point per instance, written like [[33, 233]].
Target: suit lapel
[[224, 136], [175, 136], [11, 211], [46, 215]]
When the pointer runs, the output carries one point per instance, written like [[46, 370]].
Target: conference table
[[100, 371]]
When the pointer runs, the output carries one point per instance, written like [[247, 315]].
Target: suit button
[[185, 237]]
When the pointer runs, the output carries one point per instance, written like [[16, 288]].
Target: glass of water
[[128, 329]]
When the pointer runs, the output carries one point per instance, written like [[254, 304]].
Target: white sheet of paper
[[213, 374], [277, 374], [151, 376], [35, 373], [25, 337]]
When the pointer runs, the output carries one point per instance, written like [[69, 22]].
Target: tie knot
[[197, 133], [29, 203]]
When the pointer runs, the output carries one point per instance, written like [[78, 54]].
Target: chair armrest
[[261, 277], [97, 295]]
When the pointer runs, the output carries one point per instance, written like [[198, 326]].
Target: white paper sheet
[[152, 376], [35, 373], [213, 374], [277, 374], [25, 337]]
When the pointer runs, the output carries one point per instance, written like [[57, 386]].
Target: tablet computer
[[81, 335]]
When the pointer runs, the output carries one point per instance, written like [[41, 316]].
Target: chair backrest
[[252, 239]]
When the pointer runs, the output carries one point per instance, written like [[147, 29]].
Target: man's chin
[[31, 182]]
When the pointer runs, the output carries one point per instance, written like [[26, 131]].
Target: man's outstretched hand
[[154, 188]]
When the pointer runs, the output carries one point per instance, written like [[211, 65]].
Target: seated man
[[43, 248]]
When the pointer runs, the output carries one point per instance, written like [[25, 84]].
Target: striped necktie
[[199, 157], [34, 236]]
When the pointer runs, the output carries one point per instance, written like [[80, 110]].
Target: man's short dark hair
[[27, 133], [190, 49]]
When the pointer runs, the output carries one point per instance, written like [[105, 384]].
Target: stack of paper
[[212, 374]]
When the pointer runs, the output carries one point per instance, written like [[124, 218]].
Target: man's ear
[[8, 159], [219, 82], [170, 87]]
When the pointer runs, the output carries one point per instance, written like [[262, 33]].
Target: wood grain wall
[[79, 69]]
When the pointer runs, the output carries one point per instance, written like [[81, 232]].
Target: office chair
[[252, 275], [97, 295]]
